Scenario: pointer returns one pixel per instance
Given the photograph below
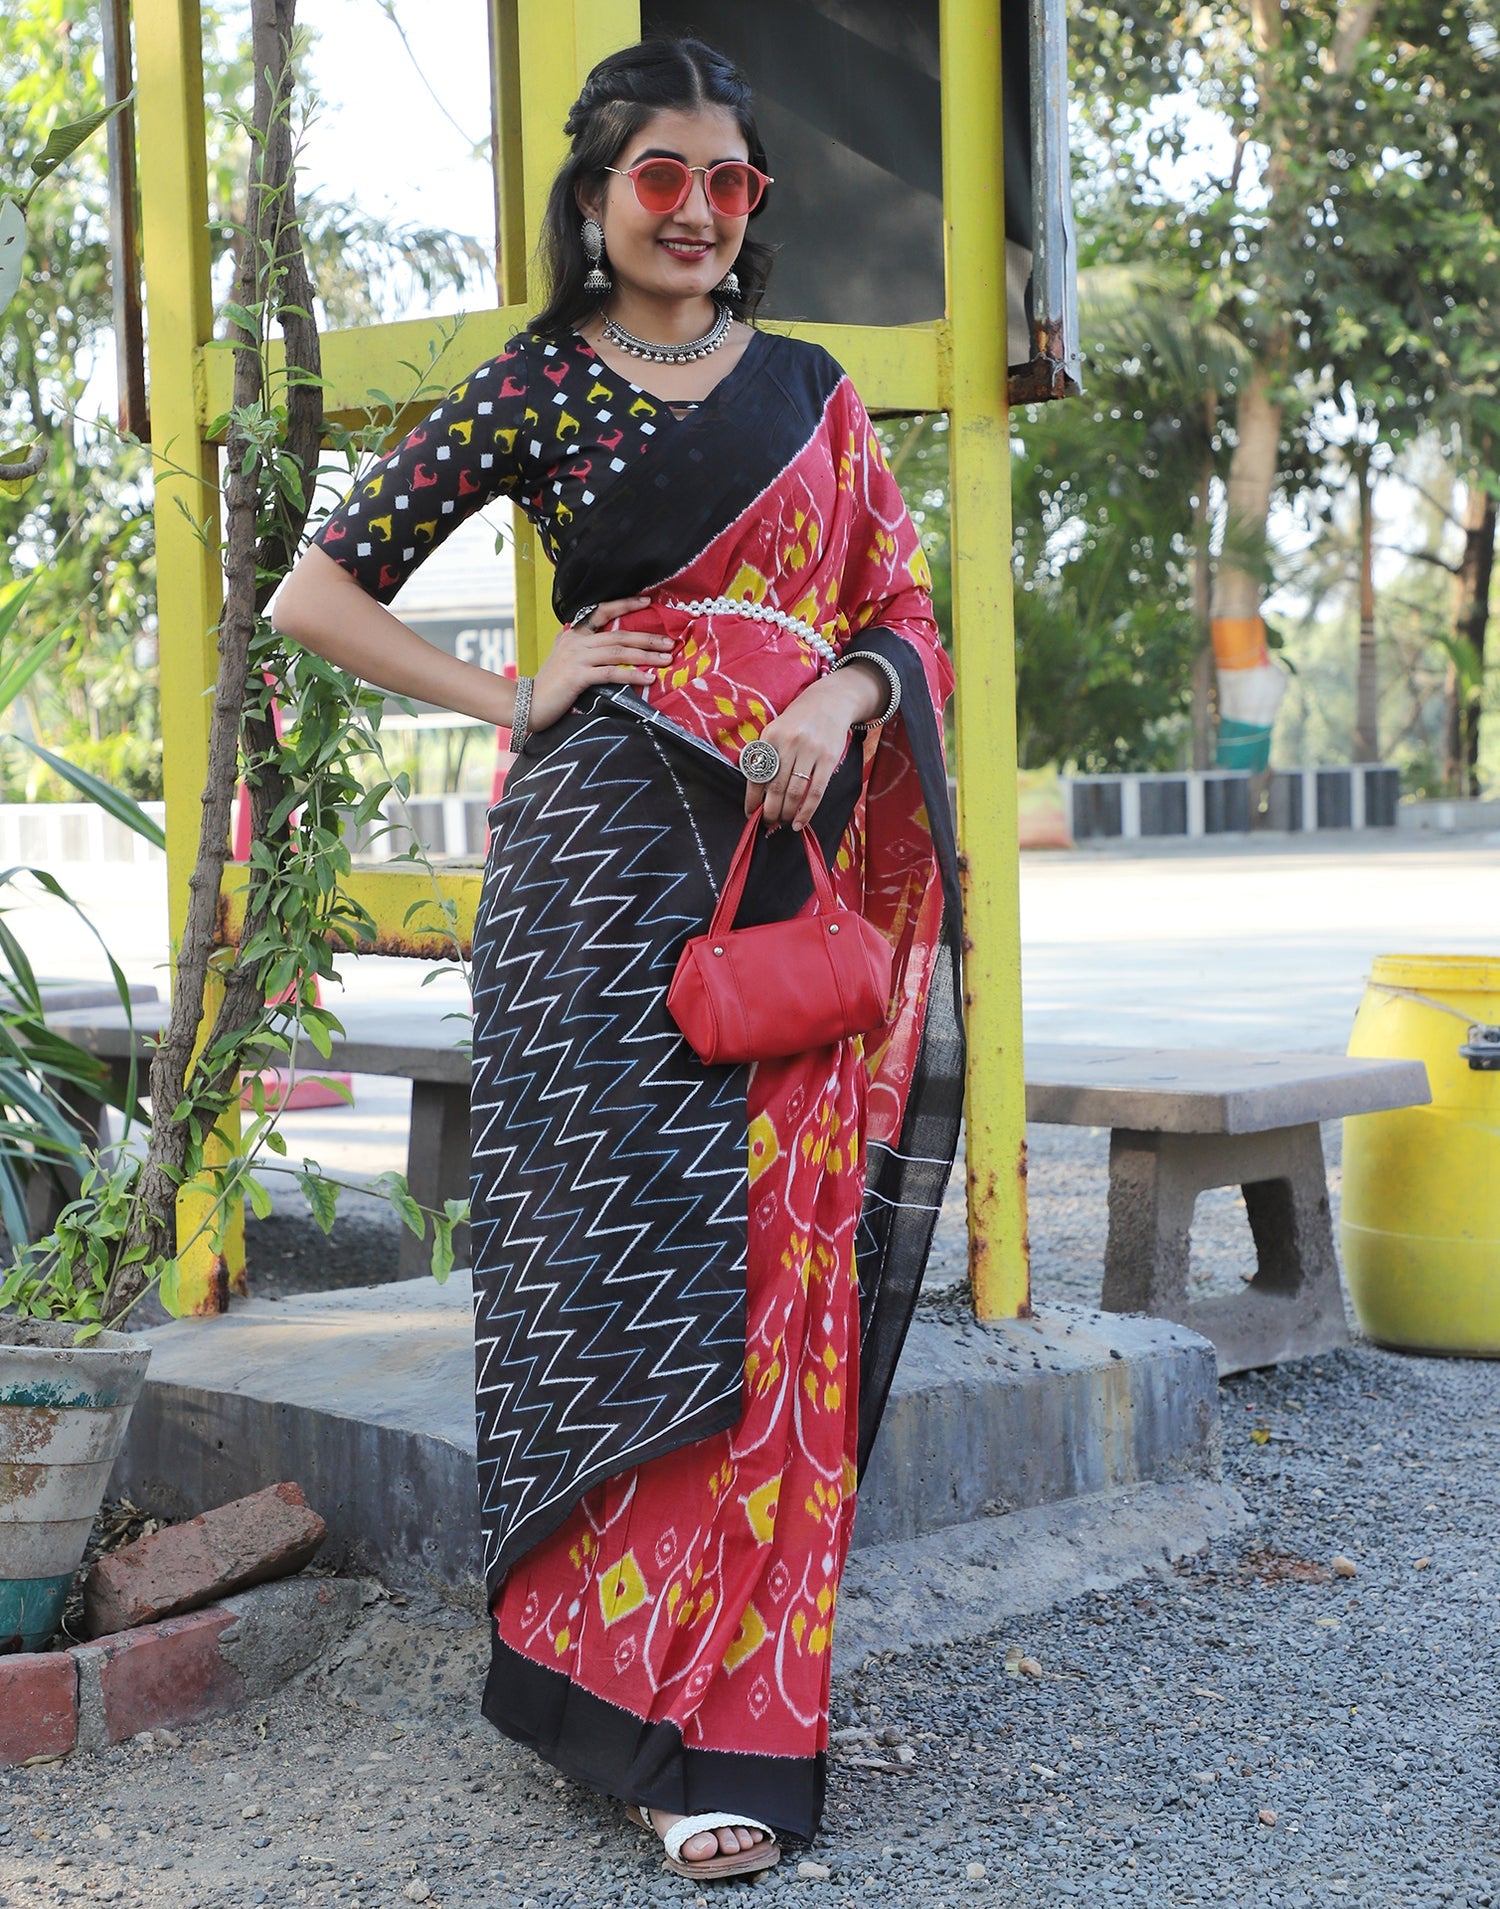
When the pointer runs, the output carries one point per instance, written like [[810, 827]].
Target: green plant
[[61, 143], [118, 1239]]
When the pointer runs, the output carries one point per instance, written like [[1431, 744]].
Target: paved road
[[1262, 945]]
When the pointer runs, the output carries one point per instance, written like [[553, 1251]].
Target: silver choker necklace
[[711, 340]]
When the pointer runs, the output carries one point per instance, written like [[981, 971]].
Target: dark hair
[[621, 94]]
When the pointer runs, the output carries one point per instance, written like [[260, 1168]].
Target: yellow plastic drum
[[1421, 1214]]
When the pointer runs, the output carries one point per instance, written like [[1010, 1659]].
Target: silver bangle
[[520, 721], [888, 671]]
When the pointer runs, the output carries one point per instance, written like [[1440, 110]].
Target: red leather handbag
[[751, 994]]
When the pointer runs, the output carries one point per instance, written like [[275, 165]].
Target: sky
[[402, 134], [403, 130]]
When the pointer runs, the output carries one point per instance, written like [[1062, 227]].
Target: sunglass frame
[[662, 159]]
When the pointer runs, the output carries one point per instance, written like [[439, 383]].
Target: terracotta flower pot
[[63, 1413]]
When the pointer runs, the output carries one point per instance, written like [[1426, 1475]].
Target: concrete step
[[364, 1397]]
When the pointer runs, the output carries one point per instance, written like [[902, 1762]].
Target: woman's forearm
[[325, 610]]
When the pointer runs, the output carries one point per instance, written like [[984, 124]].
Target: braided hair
[[619, 97]]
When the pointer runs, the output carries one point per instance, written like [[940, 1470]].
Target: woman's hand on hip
[[591, 654], [810, 736]]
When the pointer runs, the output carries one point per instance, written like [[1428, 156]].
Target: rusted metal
[[214, 1298], [983, 1198], [1048, 375], [436, 946], [413, 942], [1053, 370]]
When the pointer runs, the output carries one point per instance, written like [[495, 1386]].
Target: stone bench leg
[[437, 1166], [1293, 1306]]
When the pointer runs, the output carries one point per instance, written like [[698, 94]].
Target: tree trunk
[[1252, 469], [1367, 679], [272, 279], [1252, 480], [1471, 614]]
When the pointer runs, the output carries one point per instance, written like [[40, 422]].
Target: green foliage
[[40, 1072], [83, 530], [81, 533], [1349, 240], [121, 807], [1104, 625], [309, 735]]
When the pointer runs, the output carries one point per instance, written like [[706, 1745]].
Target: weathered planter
[[63, 1413]]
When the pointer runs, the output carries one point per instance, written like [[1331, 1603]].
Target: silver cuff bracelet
[[520, 722], [888, 671]]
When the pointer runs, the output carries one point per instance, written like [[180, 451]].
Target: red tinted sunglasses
[[733, 188]]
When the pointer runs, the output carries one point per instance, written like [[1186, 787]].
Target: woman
[[681, 1361]]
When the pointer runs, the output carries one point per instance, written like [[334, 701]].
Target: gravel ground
[[1169, 1721]]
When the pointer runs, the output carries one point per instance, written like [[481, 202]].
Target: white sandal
[[744, 1862]]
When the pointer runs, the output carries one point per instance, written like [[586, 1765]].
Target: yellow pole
[[174, 238], [554, 44], [984, 644]]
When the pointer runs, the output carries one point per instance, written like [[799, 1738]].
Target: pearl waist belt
[[758, 613]]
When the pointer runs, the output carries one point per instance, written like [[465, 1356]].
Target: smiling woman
[[691, 1281]]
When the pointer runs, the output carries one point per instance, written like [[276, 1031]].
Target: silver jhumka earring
[[598, 281], [729, 285]]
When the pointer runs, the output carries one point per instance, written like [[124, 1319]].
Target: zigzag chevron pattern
[[609, 1164]]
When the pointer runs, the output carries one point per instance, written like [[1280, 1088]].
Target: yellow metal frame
[[956, 365]]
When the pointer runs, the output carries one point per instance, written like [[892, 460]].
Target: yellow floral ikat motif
[[796, 1257], [763, 1378], [760, 1509], [765, 1149], [820, 1148], [823, 1502], [622, 1589], [688, 1610], [817, 1638], [752, 1634], [748, 585]]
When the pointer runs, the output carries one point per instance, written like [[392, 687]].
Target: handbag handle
[[739, 870]]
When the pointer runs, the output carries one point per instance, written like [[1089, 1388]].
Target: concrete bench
[[419, 1041], [1183, 1121], [60, 994]]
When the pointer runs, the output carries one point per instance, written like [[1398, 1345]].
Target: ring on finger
[[801, 775], [759, 761]]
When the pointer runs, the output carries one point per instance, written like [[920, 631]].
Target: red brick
[[167, 1673], [38, 1706], [270, 1534]]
